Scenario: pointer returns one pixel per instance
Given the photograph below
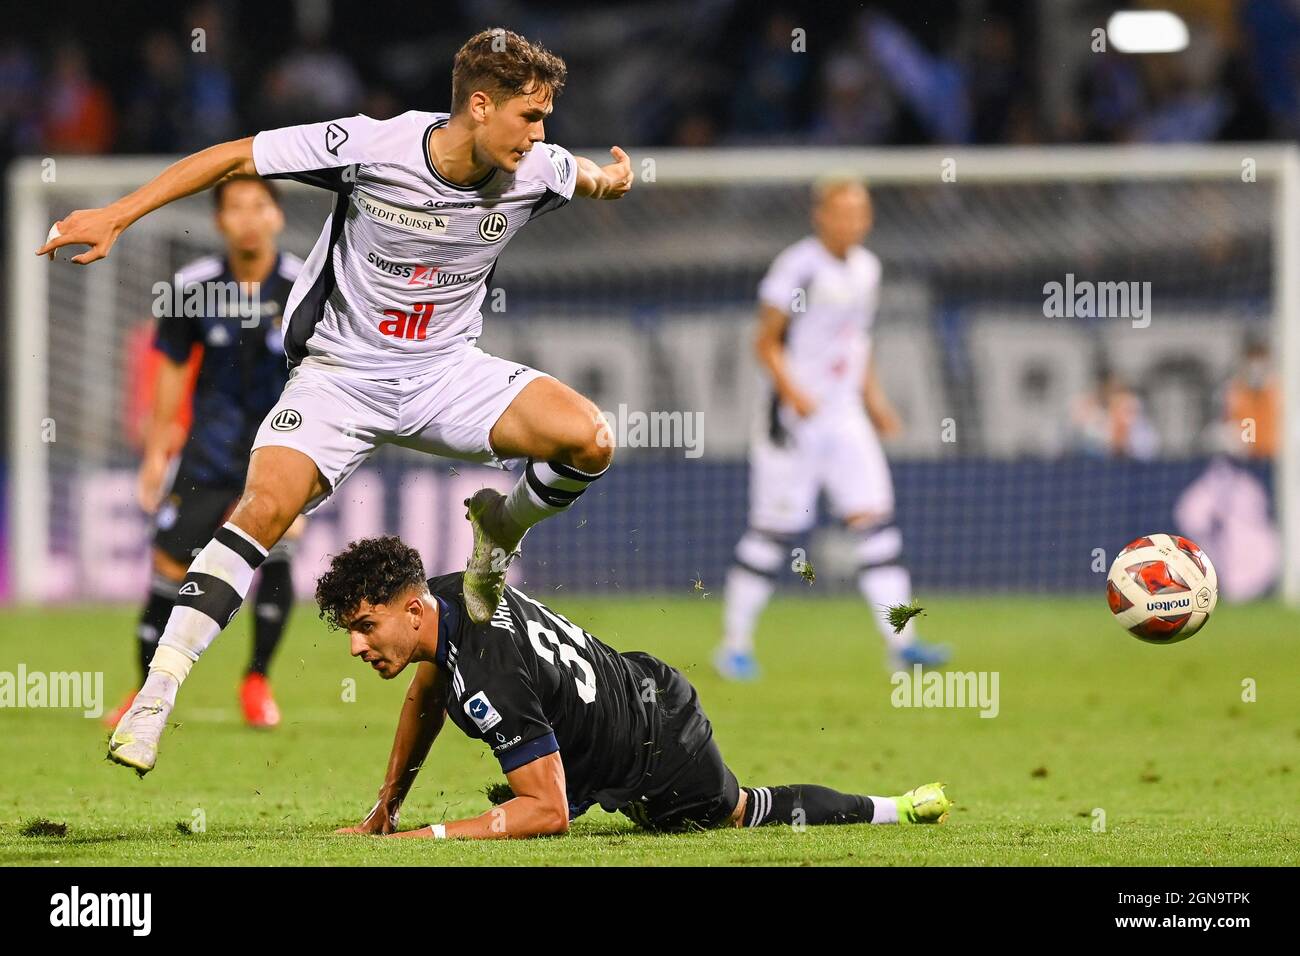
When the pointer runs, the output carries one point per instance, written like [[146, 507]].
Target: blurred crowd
[[174, 78], [1113, 420]]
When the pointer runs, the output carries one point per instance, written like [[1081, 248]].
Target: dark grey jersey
[[530, 682]]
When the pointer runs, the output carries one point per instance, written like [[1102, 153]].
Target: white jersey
[[832, 305], [402, 264]]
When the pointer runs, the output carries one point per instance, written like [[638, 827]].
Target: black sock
[[153, 619], [271, 605], [805, 803]]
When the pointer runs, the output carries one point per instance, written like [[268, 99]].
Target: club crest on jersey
[[482, 712], [286, 420], [492, 227], [335, 136]]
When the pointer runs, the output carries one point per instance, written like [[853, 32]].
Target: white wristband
[[439, 831]]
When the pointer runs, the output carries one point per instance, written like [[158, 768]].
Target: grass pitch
[[1158, 739]]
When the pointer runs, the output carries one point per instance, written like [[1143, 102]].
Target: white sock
[[745, 597], [885, 810], [213, 590], [544, 489], [750, 583], [883, 587], [884, 581]]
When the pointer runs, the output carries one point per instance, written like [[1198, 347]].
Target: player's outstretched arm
[[605, 182], [423, 714], [540, 807], [99, 228]]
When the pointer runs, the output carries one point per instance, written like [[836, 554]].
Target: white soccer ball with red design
[[1162, 588]]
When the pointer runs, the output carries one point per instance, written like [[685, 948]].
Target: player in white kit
[[381, 328], [819, 429]]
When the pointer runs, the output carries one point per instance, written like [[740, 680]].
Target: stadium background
[[1070, 435]]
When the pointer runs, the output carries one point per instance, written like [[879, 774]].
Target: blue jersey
[[244, 368]]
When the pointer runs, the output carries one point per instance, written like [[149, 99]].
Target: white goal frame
[[28, 504]]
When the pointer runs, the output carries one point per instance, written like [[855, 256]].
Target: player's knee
[[263, 514], [589, 450]]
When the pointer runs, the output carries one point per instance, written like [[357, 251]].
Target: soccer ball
[[1162, 588]]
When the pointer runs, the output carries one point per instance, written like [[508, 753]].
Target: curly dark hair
[[503, 64], [371, 569]]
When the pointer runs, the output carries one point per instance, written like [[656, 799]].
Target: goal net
[[1084, 345]]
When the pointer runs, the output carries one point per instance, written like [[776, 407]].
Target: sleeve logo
[[482, 712], [335, 136]]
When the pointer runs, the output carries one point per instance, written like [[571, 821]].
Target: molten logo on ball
[[1162, 588]]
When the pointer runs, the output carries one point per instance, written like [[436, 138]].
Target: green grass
[[1158, 737]]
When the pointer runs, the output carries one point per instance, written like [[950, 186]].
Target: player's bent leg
[[281, 481], [568, 445], [550, 421]]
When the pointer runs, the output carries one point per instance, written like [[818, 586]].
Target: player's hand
[[149, 483], [618, 175], [97, 228], [803, 405], [380, 821]]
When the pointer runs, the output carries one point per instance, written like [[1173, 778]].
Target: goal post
[[647, 305]]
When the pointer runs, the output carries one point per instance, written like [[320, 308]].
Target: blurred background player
[[816, 306], [240, 366]]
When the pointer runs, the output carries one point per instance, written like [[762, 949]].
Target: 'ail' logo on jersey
[[482, 712]]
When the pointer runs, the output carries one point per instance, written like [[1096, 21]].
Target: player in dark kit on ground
[[241, 375], [573, 722]]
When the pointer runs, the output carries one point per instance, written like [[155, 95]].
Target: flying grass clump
[[899, 614], [498, 793], [40, 827]]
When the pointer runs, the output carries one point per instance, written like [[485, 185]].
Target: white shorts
[[835, 451], [337, 418]]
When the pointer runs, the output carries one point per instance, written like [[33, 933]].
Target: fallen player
[[573, 722]]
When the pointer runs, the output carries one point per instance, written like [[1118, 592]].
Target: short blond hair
[[826, 186]]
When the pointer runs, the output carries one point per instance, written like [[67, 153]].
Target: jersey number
[[583, 674]]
